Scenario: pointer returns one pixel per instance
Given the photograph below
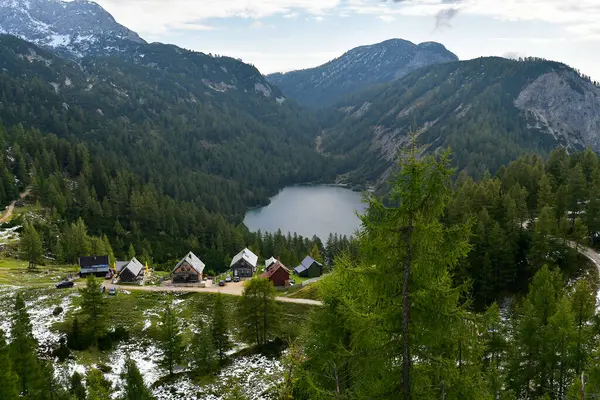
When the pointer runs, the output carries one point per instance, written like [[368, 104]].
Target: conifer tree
[[77, 389], [219, 327], [109, 250], [315, 254], [170, 340], [8, 377], [258, 311], [130, 252], [495, 352], [134, 388], [532, 352], [98, 387], [561, 333], [23, 349], [545, 197], [545, 228], [93, 306], [77, 242], [30, 245], [583, 306], [202, 353]]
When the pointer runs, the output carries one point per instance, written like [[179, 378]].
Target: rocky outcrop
[[565, 106]]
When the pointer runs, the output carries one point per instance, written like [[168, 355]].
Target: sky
[[284, 35]]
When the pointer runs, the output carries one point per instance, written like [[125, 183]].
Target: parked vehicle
[[108, 275], [236, 278], [292, 282], [228, 278], [221, 283], [65, 285], [112, 291]]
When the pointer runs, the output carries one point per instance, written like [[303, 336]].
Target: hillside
[[357, 69], [180, 119], [488, 110], [165, 156]]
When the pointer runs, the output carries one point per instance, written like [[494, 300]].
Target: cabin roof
[[134, 266], [93, 261], [305, 264], [247, 255], [276, 266], [194, 261], [269, 262], [120, 264]]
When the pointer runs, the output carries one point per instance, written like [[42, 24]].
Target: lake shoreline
[[309, 209]]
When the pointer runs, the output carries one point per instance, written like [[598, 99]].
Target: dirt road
[[591, 254], [232, 288], [11, 207]]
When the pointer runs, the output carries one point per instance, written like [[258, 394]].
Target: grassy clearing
[[310, 291], [15, 272]]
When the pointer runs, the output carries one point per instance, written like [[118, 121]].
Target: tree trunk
[[406, 362]]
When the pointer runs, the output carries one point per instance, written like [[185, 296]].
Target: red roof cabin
[[278, 274]]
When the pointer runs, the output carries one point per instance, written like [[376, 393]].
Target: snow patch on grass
[[145, 355], [255, 375]]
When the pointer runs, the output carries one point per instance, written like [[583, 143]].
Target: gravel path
[[233, 288]]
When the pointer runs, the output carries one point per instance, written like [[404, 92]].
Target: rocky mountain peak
[[358, 68], [74, 28]]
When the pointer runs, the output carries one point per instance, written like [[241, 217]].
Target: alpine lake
[[309, 210]]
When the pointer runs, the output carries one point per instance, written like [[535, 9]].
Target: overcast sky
[[282, 35]]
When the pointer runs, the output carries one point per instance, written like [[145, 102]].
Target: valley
[[468, 268]]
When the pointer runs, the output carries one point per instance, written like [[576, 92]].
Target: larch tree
[[97, 386], [258, 311], [170, 340], [130, 252], [76, 387], [30, 245], [77, 242], [202, 355], [93, 306], [410, 255], [532, 353], [583, 306], [134, 387], [8, 378], [219, 327], [23, 349]]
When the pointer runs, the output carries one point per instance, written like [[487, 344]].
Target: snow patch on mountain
[[76, 28]]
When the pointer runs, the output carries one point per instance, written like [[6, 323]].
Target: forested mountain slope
[[488, 110], [162, 150], [192, 124], [357, 69]]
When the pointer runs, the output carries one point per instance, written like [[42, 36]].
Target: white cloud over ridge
[[152, 17]]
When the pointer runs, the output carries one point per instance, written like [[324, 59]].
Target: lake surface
[[309, 210]]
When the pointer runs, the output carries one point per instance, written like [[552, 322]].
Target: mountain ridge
[[358, 68], [73, 29], [488, 110]]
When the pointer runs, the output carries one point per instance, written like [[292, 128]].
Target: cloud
[[386, 18], [513, 55], [443, 18], [154, 17], [185, 26]]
